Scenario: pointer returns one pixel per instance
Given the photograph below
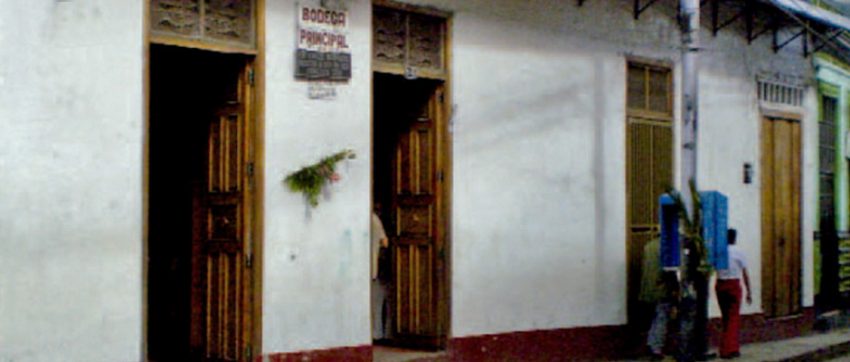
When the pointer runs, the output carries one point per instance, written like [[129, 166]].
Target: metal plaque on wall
[[323, 52]]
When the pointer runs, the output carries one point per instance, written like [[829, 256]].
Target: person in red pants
[[728, 290]]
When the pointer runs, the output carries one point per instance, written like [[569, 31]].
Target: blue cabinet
[[715, 216], [715, 225], [671, 246]]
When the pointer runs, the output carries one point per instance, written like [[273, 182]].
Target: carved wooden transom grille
[[225, 22], [403, 40]]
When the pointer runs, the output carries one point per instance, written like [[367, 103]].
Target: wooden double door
[[409, 181], [780, 224], [201, 272]]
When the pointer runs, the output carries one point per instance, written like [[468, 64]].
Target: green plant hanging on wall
[[310, 179]]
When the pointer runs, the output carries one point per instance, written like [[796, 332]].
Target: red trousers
[[729, 298]]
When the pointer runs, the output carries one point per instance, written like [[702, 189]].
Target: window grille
[[826, 148], [776, 91], [649, 89]]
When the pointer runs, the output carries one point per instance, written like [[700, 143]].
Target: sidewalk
[[813, 347], [829, 346], [832, 345]]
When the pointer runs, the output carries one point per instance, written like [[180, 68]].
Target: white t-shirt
[[378, 233], [737, 264]]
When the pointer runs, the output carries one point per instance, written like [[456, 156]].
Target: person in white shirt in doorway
[[728, 290], [380, 320]]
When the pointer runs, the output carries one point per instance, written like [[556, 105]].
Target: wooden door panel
[[637, 241], [225, 140], [782, 206], [793, 226], [662, 170], [221, 278], [423, 147], [222, 314], [785, 222], [222, 247], [415, 299], [650, 172], [414, 237], [640, 175], [768, 215], [781, 217]]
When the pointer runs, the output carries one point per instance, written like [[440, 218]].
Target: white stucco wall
[[71, 110], [539, 170], [539, 147], [730, 128], [316, 275]]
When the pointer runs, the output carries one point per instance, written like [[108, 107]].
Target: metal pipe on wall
[[695, 304]]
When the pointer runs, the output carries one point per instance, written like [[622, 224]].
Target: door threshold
[[397, 354], [830, 313], [785, 317]]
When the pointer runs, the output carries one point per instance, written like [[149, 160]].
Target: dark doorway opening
[[187, 87], [409, 140], [827, 297]]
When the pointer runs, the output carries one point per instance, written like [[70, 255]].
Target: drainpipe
[[689, 18], [694, 306]]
